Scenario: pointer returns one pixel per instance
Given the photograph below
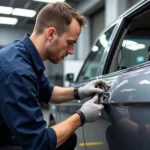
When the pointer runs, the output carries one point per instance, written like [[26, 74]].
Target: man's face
[[63, 45]]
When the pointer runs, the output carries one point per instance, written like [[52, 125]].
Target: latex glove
[[90, 111], [92, 88]]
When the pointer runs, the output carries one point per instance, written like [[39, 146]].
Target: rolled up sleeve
[[22, 114], [45, 89]]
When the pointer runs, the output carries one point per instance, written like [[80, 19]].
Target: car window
[[91, 65], [134, 48], [134, 51]]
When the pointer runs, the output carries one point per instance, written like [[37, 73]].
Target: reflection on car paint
[[128, 90], [130, 127], [144, 82]]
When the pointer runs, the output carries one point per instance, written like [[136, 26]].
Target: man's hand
[[90, 111], [92, 88]]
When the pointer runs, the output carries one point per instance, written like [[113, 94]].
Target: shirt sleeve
[[22, 114], [45, 90]]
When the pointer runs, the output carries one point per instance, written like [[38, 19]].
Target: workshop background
[[16, 20]]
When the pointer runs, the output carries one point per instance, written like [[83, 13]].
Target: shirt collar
[[38, 63]]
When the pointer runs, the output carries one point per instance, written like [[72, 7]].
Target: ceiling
[[24, 22]]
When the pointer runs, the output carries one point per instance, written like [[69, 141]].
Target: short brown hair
[[58, 15]]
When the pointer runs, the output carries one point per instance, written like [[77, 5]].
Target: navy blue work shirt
[[22, 86]]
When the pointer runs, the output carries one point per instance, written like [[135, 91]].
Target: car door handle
[[103, 97]]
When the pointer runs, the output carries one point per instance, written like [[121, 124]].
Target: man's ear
[[51, 34]]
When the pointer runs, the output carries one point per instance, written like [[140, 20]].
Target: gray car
[[121, 57]]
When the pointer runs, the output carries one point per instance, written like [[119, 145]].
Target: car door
[[92, 140], [86, 134], [127, 69]]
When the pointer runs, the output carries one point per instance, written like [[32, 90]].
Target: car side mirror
[[70, 77]]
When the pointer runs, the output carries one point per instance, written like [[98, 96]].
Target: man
[[23, 84]]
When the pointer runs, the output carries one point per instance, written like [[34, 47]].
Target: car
[[120, 56]]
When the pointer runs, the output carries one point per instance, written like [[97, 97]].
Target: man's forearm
[[61, 95], [66, 128]]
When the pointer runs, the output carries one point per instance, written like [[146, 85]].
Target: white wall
[[72, 66], [10, 34], [114, 8], [90, 6], [84, 43], [97, 24]]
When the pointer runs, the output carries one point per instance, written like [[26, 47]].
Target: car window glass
[[91, 65], [135, 45]]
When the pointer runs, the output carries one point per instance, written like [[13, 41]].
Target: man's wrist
[[82, 117], [76, 93]]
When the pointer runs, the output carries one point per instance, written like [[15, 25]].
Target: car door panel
[[87, 74], [96, 132], [128, 108]]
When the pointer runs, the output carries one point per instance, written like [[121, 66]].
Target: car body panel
[[128, 108]]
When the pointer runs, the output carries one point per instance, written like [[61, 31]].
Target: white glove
[[90, 111], [92, 88]]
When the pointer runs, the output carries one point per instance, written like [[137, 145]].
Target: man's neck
[[37, 40]]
